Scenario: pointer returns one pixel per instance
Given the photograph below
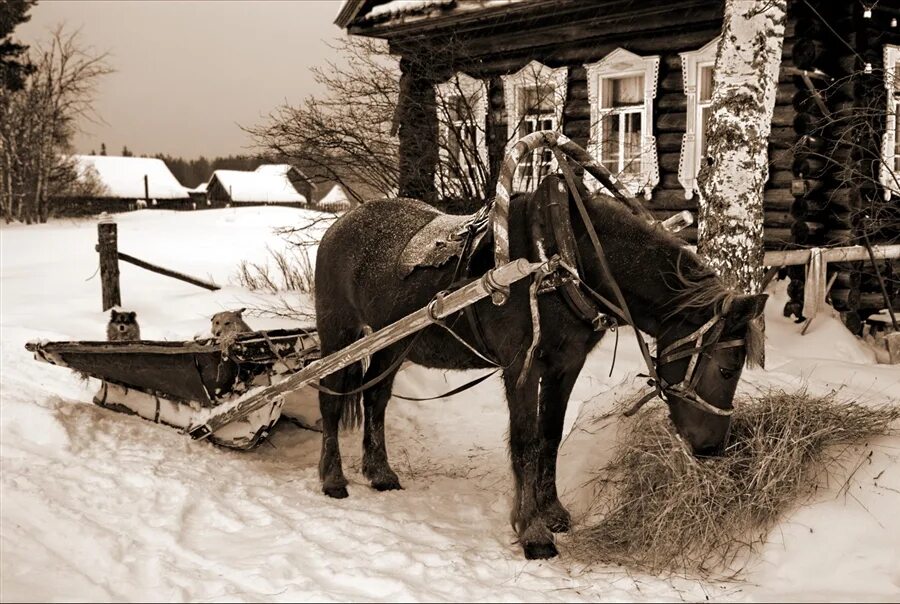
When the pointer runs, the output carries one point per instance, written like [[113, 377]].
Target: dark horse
[[668, 289]]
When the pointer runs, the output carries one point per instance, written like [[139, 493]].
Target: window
[[534, 97], [697, 71], [890, 151], [621, 88], [462, 113]]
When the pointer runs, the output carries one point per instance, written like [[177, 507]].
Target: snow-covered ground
[[97, 505]]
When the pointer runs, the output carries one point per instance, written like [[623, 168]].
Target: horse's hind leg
[[333, 407], [556, 387], [525, 451], [375, 464]]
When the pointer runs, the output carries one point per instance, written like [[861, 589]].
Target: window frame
[[621, 63], [692, 62], [533, 75], [890, 161], [475, 90]]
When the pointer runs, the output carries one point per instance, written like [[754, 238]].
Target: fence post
[[107, 246]]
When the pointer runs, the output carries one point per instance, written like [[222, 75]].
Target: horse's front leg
[[556, 388], [525, 451], [375, 464]]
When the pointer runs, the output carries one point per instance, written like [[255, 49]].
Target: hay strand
[[664, 510]]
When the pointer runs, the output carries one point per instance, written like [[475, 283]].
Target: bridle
[[695, 345]]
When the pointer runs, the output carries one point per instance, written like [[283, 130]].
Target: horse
[[701, 328]]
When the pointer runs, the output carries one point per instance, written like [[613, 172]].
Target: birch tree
[[732, 179]]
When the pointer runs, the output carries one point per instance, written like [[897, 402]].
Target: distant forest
[[192, 172]]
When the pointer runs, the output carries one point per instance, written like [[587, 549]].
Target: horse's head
[[701, 355]]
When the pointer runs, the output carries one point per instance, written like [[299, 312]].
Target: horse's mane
[[694, 285]]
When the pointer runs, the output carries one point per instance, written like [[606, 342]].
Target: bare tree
[[39, 121], [732, 179], [349, 134]]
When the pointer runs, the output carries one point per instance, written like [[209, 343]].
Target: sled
[[178, 383]]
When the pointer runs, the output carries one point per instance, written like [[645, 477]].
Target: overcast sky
[[188, 72]]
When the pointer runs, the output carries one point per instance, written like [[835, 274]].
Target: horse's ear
[[745, 308], [240, 311]]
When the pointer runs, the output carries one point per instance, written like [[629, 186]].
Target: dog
[[123, 327], [229, 323]]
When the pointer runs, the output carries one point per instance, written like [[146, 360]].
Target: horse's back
[[358, 257]]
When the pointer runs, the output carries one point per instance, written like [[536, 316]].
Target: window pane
[[536, 100], [622, 92], [705, 83], [456, 108], [701, 134], [897, 76], [609, 145], [632, 143]]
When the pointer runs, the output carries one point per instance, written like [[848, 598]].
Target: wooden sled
[[179, 383]]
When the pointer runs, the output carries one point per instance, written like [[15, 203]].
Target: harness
[[578, 295]]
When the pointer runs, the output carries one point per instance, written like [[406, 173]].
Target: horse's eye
[[727, 373]]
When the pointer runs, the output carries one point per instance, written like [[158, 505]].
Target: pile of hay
[[663, 510]]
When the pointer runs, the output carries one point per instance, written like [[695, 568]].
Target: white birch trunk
[[732, 178]]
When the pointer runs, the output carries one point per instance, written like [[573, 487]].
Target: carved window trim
[[622, 63], [475, 91], [689, 163], [890, 162], [534, 74]]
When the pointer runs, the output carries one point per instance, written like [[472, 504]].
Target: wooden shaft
[[107, 243], [167, 272], [441, 307], [840, 254]]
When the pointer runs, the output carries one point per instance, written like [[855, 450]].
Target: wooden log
[[672, 102], [781, 159], [578, 89], [805, 232], [853, 322], [853, 253], [809, 53], [669, 161], [840, 237], [782, 137], [783, 116], [168, 272], [809, 167], [845, 299], [784, 94], [875, 301], [809, 123], [107, 246], [672, 82], [577, 110], [671, 122], [444, 306], [777, 199], [671, 199], [777, 219], [668, 141], [846, 196], [774, 237], [578, 129], [805, 100], [805, 187], [780, 179]]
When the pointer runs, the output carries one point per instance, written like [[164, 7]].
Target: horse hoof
[[388, 485], [336, 492], [540, 551]]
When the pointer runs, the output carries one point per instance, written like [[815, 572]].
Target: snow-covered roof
[[335, 198], [259, 186], [360, 12], [201, 188], [123, 177]]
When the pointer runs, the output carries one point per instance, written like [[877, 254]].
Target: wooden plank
[[168, 272]]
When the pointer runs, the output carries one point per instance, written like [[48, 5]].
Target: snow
[[98, 505], [123, 177], [261, 186], [335, 198]]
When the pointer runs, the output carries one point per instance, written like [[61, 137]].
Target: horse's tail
[[351, 407]]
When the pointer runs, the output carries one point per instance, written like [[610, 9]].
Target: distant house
[[278, 184], [198, 196], [118, 184], [335, 200]]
